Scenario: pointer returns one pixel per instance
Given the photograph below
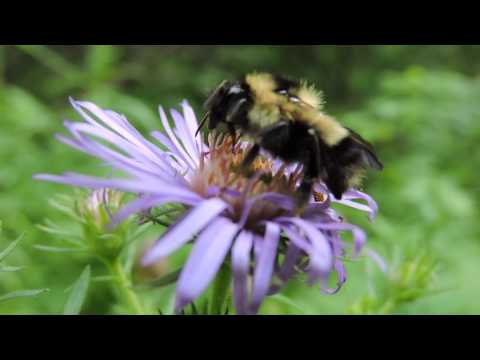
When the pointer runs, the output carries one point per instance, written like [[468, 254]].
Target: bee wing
[[370, 158]]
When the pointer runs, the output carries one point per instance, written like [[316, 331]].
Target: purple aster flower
[[248, 222]]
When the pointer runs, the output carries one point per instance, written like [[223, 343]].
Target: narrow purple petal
[[134, 207], [185, 230], [297, 239], [206, 258], [280, 200], [287, 269], [341, 272], [321, 256], [134, 186], [264, 265], [141, 154], [192, 125], [173, 151], [110, 121], [174, 140], [381, 263], [241, 265], [114, 158], [257, 246], [341, 276], [291, 258], [359, 236], [148, 202], [137, 162], [184, 134], [371, 208]]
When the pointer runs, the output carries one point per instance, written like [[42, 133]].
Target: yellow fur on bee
[[266, 111], [263, 87], [357, 177], [270, 107], [310, 95], [263, 115], [327, 127], [330, 130]]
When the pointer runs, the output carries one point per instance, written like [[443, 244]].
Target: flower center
[[219, 173]]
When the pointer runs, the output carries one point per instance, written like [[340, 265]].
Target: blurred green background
[[420, 106]]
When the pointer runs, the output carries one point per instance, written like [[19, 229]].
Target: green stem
[[125, 288], [221, 292]]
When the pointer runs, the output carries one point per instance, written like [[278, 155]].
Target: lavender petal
[[240, 265], [126, 185], [183, 133], [264, 266], [371, 208], [148, 202], [205, 260], [174, 139], [182, 232], [381, 263], [359, 236], [192, 125], [321, 256], [287, 270]]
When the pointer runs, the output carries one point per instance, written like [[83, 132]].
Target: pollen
[[220, 170], [320, 197]]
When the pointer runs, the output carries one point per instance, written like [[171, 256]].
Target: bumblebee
[[285, 117]]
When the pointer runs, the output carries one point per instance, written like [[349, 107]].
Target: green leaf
[[54, 249], [52, 60], [65, 235], [10, 268], [286, 301], [10, 248], [107, 278], [100, 62], [78, 294], [22, 294]]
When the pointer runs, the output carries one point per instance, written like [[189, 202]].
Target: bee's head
[[224, 102]]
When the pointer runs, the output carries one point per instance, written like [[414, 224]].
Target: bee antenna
[[202, 123]]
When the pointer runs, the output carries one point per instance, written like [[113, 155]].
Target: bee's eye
[[294, 99], [283, 92]]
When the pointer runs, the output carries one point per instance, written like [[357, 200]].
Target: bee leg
[[313, 169], [304, 194], [272, 138], [337, 183], [245, 165], [318, 160], [233, 135], [249, 159]]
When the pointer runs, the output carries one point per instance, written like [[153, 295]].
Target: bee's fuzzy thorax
[[262, 86], [269, 107], [265, 110]]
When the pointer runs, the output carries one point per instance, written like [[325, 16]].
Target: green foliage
[[410, 281], [417, 104], [78, 294], [12, 269]]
